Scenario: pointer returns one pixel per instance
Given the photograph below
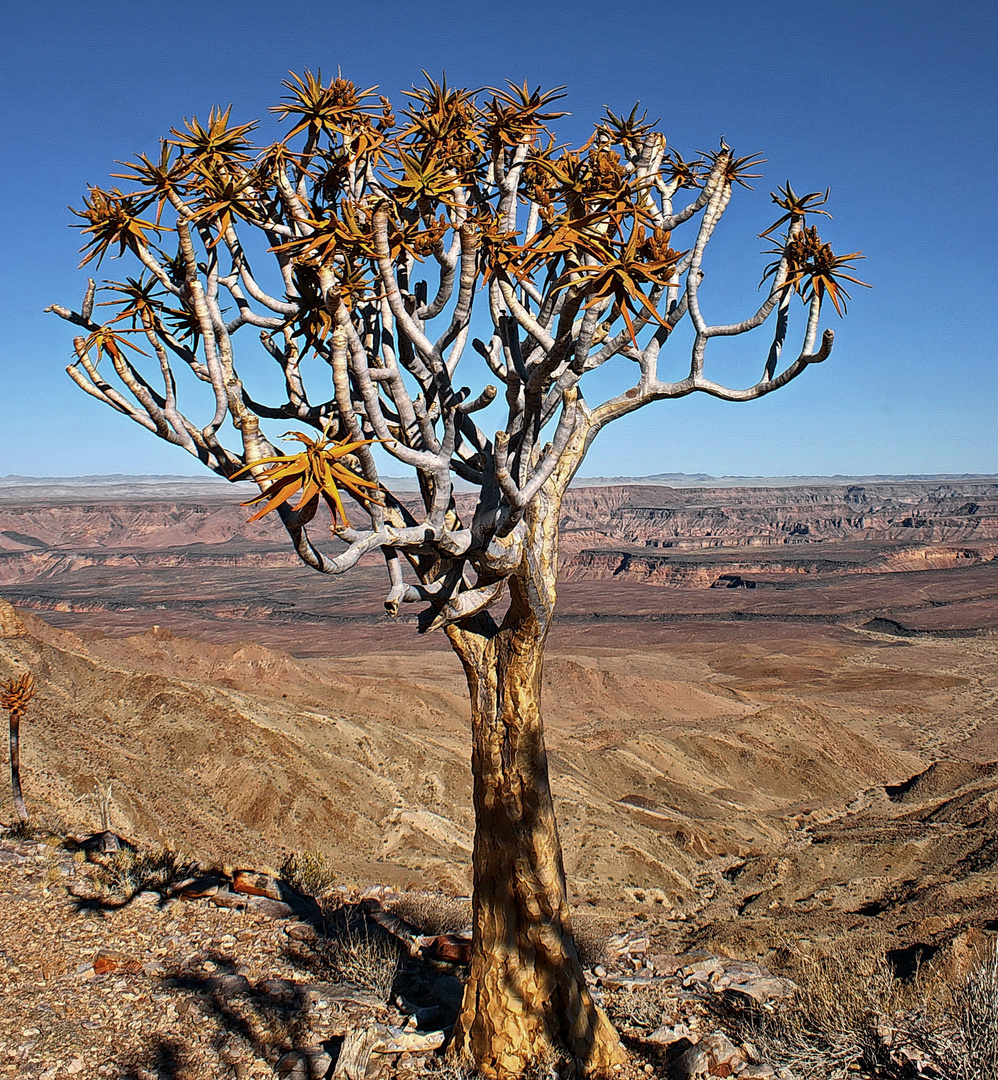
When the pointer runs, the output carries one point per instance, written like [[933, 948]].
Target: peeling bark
[[526, 999]]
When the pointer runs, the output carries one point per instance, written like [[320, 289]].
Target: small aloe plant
[[14, 697]]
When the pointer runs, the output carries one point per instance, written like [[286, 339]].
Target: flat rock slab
[[253, 883], [275, 909], [713, 1055], [309, 1064]]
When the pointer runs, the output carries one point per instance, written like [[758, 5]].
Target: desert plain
[[771, 711]]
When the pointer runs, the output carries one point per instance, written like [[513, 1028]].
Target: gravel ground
[[150, 990], [100, 983]]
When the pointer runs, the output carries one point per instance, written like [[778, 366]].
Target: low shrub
[[977, 1002], [308, 872], [591, 933], [123, 874], [358, 951]]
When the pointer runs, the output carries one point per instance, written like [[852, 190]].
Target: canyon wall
[[684, 518], [692, 537]]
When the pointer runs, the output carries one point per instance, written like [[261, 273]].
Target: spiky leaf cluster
[[16, 694], [317, 472], [813, 269]]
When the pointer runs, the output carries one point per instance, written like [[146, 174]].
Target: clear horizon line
[[620, 477]]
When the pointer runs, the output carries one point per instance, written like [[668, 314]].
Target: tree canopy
[[383, 232]]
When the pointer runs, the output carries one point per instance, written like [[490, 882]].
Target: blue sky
[[891, 105]]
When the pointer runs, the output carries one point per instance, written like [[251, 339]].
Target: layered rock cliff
[[693, 537], [661, 517]]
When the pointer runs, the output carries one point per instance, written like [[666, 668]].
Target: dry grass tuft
[[849, 1020], [833, 1026], [966, 1048], [101, 801], [442, 1068], [308, 872], [358, 951], [433, 913], [47, 826], [124, 874], [642, 1009]]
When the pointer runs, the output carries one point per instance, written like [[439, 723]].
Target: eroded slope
[[238, 751]]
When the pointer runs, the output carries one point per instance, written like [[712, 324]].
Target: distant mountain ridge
[[173, 485], [707, 480]]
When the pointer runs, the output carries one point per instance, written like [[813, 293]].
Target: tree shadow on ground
[[272, 1017], [358, 971], [264, 1020], [167, 1059]]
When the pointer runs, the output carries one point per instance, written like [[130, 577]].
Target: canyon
[[898, 551], [791, 693]]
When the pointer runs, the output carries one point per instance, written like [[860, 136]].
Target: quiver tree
[[366, 250], [15, 694]]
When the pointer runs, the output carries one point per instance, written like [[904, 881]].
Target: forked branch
[[384, 233]]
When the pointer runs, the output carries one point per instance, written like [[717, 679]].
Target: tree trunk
[[15, 766], [526, 999]]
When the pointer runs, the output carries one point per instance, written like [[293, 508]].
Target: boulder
[[756, 992], [450, 949], [273, 909], [666, 1035], [713, 1055], [197, 888], [664, 963], [106, 962], [254, 883]]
